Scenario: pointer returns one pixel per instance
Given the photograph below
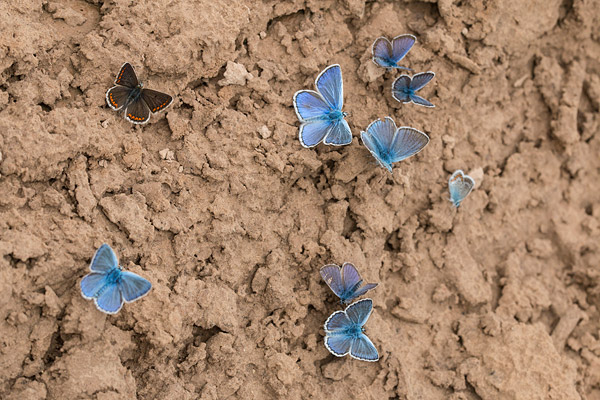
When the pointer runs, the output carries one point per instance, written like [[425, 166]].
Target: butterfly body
[[389, 144], [460, 185], [345, 281], [108, 285], [404, 88], [135, 101], [345, 332], [388, 54], [320, 112]]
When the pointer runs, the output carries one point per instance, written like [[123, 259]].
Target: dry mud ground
[[496, 300]]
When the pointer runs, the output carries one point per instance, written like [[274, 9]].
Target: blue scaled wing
[[104, 260], [109, 300], [91, 284], [310, 105], [337, 321], [340, 134], [421, 79], [408, 142], [401, 45], [338, 345], [133, 286], [382, 52], [418, 100], [401, 88], [330, 85], [313, 132], [363, 349], [359, 311], [332, 275]]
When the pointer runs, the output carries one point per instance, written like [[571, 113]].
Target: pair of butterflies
[[322, 120], [131, 97], [388, 54], [460, 186], [108, 285], [344, 330]]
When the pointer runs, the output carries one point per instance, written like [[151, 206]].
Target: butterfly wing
[[105, 260], [373, 146], [363, 349], [407, 143], [117, 96], [460, 186], [339, 134], [91, 284], [330, 85], [338, 321], [313, 132], [350, 276], [359, 311], [127, 77], [382, 52], [310, 105], [338, 345], [109, 300], [383, 132], [401, 45], [133, 286], [420, 101], [156, 100], [400, 87], [138, 112], [421, 79], [364, 289], [332, 276]]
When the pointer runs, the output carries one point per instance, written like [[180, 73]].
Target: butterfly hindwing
[[460, 186], [91, 285], [340, 134], [156, 100], [313, 132], [127, 76], [109, 300], [138, 112], [363, 349], [338, 345]]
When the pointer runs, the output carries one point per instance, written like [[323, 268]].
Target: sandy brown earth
[[216, 202]]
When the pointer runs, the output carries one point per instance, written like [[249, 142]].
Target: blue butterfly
[[404, 88], [460, 186], [388, 54], [345, 282], [344, 332], [320, 112], [108, 285], [389, 144]]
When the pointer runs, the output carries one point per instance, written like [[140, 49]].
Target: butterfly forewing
[[360, 311], [127, 77], [104, 260], [381, 50], [401, 45], [156, 100], [117, 96], [408, 142], [419, 80], [330, 85], [133, 286], [309, 105]]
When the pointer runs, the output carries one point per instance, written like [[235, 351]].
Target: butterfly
[[389, 144], [387, 54], [108, 285], [320, 112], [344, 332], [404, 88], [130, 96], [460, 186], [345, 282]]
